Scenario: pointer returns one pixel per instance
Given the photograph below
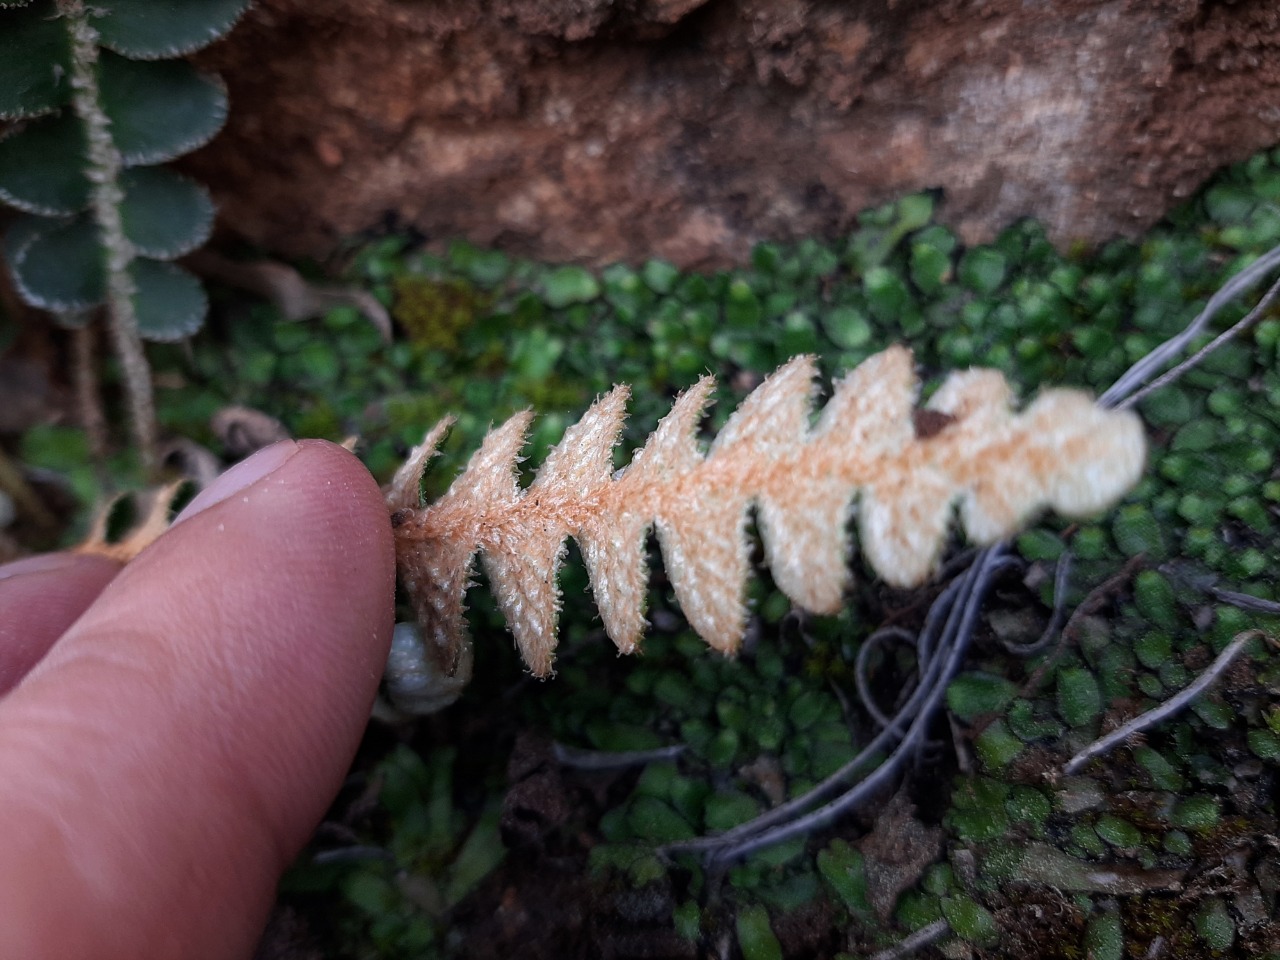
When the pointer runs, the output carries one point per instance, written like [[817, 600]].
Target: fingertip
[[240, 476]]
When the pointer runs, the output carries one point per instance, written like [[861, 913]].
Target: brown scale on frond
[[871, 455]]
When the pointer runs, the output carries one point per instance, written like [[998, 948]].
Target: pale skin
[[172, 731]]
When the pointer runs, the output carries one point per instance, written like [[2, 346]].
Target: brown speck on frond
[[871, 456], [930, 423]]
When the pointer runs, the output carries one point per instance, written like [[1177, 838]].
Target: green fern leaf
[[160, 110], [158, 29], [42, 167], [169, 302], [35, 60], [165, 214]]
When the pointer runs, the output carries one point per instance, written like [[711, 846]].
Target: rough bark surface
[[598, 130]]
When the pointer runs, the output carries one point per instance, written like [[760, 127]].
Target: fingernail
[[242, 475], [44, 563]]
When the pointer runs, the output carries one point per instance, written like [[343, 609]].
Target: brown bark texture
[[603, 130]]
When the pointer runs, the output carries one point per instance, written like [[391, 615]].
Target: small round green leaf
[[844, 868], [742, 310], [997, 747], [687, 920], [1228, 203], [724, 811], [887, 294], [1195, 813], [160, 110], [1028, 805], [756, 938], [660, 276], [1079, 698], [165, 214], [1264, 744], [1118, 832], [1153, 649], [982, 269], [61, 268], [156, 29], [970, 920], [42, 167], [654, 820], [930, 267], [1154, 597], [1104, 937], [568, 285], [970, 695], [1214, 925], [35, 61], [914, 212], [170, 303], [1163, 774], [847, 327], [1136, 530], [1040, 545]]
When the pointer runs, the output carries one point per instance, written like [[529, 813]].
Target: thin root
[[954, 614], [925, 936], [1174, 704]]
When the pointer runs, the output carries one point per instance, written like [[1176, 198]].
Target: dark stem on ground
[[88, 390]]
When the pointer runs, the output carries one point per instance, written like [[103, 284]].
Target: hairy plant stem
[[104, 165]]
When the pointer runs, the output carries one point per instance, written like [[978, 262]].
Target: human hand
[[180, 725]]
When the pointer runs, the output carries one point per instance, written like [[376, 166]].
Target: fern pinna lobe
[[863, 456]]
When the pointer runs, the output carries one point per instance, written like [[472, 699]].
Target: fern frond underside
[[870, 455]]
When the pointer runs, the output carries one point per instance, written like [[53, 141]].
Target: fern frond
[[870, 453]]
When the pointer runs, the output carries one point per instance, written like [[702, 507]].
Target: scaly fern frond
[[871, 453]]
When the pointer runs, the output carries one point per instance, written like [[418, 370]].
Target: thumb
[[172, 752]]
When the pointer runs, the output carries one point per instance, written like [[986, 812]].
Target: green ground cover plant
[[564, 802]]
